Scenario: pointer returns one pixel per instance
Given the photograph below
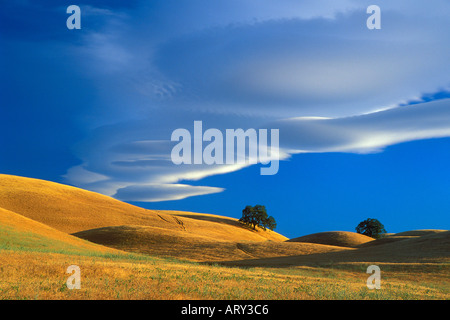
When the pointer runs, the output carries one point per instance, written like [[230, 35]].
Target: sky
[[363, 115]]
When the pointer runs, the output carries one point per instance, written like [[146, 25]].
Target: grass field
[[37, 275], [35, 268], [126, 252]]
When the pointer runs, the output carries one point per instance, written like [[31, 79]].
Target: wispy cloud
[[367, 133], [162, 192], [311, 69]]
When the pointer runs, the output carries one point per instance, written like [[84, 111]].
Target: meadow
[[129, 253], [28, 274]]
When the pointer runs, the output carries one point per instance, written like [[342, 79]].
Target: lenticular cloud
[[314, 72]]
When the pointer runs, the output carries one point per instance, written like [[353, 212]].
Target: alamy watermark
[[74, 281], [74, 20], [374, 281], [374, 21], [238, 147]]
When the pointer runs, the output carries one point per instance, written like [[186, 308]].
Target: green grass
[[12, 240]]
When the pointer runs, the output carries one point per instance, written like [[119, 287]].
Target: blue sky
[[363, 115]]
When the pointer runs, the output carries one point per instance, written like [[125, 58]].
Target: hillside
[[72, 210], [418, 233], [431, 248], [54, 211], [335, 238], [20, 233], [400, 236], [192, 246], [40, 215]]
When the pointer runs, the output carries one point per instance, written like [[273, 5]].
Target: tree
[[371, 227], [257, 216]]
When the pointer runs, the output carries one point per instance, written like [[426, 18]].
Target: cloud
[[317, 67], [162, 192], [134, 170], [132, 155], [366, 133], [295, 60], [310, 69]]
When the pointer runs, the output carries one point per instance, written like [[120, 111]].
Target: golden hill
[[335, 238], [385, 240], [112, 223], [106, 221], [427, 249], [18, 232], [40, 214], [417, 233], [71, 210], [400, 236], [192, 246]]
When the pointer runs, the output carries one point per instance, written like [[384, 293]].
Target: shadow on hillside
[[434, 248]]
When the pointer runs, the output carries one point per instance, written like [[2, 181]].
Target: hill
[[72, 210], [20, 233], [417, 233], [432, 248], [399, 236], [192, 246], [56, 210], [335, 238], [37, 214]]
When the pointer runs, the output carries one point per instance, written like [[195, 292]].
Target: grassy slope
[[431, 248], [399, 237], [112, 223], [34, 275], [191, 246], [22, 234], [36, 257], [335, 238], [71, 210]]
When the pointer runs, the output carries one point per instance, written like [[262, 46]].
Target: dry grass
[[42, 276], [189, 246], [18, 232], [335, 238], [432, 248], [54, 207], [71, 210], [36, 249], [400, 236], [418, 233]]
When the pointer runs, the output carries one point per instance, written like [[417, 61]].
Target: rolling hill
[[20, 233], [54, 210], [400, 236], [42, 215], [431, 248], [74, 213], [46, 227], [191, 246], [72, 210], [335, 238]]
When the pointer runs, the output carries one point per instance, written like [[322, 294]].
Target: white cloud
[[135, 154], [142, 167], [310, 69], [366, 133], [162, 192], [316, 67]]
